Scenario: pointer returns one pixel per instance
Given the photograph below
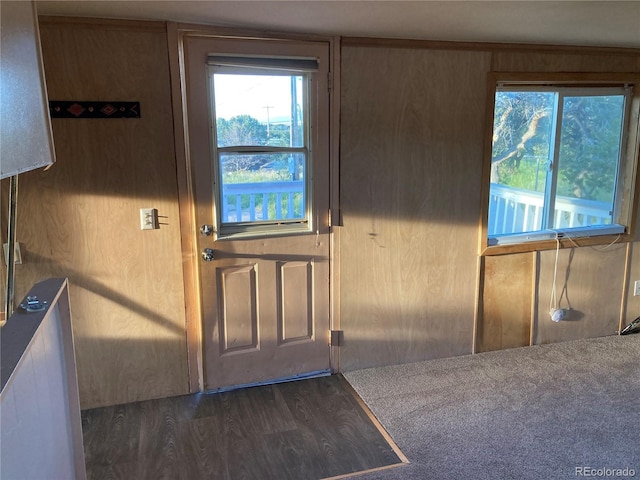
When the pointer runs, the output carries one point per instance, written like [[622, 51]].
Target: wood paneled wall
[[506, 302], [589, 282], [411, 159], [593, 277], [631, 307], [411, 284], [411, 156], [80, 219]]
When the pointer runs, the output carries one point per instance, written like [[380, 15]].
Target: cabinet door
[[27, 142]]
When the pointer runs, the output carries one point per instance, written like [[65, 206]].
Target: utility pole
[[293, 133], [268, 107]]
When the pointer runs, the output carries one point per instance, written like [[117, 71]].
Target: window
[[562, 161], [260, 116]]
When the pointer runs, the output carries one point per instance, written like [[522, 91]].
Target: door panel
[[295, 302], [237, 298], [265, 298]]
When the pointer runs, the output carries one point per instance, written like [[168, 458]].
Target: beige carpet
[[545, 412]]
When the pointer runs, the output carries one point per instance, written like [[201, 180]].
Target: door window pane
[[262, 150], [259, 110], [262, 187]]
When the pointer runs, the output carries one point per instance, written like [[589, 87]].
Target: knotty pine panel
[[506, 302], [411, 156], [80, 219]]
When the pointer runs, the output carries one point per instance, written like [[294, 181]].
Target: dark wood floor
[[308, 429]]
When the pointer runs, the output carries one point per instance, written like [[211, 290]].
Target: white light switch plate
[[149, 219], [17, 255]]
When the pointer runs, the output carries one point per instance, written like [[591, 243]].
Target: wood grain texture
[[506, 61], [268, 360], [506, 312], [411, 146], [597, 275], [188, 226], [334, 199], [4, 223], [523, 48], [80, 219], [589, 281], [299, 430], [632, 307]]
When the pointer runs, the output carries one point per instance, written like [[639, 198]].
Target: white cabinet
[[26, 141]]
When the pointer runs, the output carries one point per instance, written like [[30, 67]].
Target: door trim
[[188, 226], [188, 229]]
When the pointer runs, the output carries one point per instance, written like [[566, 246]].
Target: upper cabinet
[[26, 140]]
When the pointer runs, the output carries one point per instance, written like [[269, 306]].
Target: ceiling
[[594, 23]]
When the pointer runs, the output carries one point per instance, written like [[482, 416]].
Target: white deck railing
[[242, 202], [515, 210]]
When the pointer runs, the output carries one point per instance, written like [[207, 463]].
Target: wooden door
[[265, 279]]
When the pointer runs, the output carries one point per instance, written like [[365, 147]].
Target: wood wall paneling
[[80, 219], [401, 282], [509, 61], [506, 302], [596, 274], [590, 281], [411, 153], [4, 222], [631, 308]]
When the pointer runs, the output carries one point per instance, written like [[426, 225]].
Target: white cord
[[553, 300], [601, 249]]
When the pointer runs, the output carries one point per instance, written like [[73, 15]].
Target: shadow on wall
[[83, 281], [417, 332]]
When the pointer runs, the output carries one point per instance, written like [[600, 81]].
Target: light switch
[[17, 255], [149, 219]]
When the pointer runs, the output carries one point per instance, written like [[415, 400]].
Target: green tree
[[589, 143], [241, 130], [244, 130], [590, 146], [521, 130]]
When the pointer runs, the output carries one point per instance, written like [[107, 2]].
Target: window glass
[[262, 155], [259, 109], [522, 143], [555, 159], [273, 192], [589, 153]]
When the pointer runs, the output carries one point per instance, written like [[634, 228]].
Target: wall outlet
[[636, 288]]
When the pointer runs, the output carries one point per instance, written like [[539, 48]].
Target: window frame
[[280, 65], [628, 184]]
